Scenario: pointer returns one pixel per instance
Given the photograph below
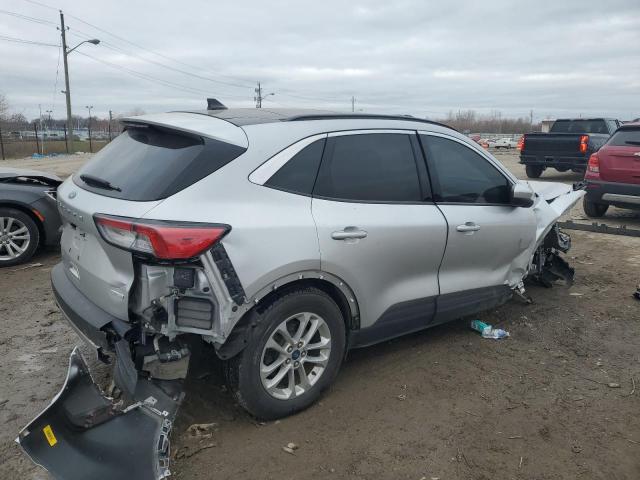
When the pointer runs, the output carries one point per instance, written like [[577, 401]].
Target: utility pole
[[67, 91], [89, 107], [65, 53], [110, 120], [259, 97], [353, 104], [531, 118]]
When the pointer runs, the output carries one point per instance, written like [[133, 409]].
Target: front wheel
[[595, 210], [19, 237], [293, 355]]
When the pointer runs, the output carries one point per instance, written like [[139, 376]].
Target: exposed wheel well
[[33, 216], [241, 331]]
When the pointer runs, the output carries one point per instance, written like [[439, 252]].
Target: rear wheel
[[19, 237], [534, 171], [294, 354], [593, 209]]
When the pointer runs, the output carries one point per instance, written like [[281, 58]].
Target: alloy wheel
[[295, 355], [14, 238]]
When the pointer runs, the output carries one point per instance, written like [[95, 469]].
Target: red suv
[[613, 173]]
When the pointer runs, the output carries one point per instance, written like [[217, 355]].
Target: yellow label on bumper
[[51, 438]]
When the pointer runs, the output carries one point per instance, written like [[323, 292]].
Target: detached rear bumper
[[82, 435], [625, 195]]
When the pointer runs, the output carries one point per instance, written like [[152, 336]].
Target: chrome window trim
[[497, 165], [371, 131], [264, 172]]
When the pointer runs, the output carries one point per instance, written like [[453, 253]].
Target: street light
[[65, 53], [89, 127]]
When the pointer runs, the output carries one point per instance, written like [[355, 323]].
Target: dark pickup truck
[[567, 146]]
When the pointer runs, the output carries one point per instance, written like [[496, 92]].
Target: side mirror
[[522, 195]]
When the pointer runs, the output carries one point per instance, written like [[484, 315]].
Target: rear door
[[488, 239], [378, 228], [620, 157]]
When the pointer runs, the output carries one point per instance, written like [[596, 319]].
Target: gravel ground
[[443, 403]]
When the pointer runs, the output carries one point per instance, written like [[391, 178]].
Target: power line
[[122, 39], [28, 42], [41, 4], [151, 78], [115, 48], [28, 18]]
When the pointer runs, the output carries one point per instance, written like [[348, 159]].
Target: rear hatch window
[[626, 137], [149, 162], [579, 126]]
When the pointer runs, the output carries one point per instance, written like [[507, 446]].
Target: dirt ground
[[559, 399]]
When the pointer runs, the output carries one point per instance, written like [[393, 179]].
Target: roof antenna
[[213, 104]]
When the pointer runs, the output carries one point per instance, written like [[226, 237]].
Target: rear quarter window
[[151, 163]]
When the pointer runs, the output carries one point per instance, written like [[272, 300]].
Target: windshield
[[147, 163]]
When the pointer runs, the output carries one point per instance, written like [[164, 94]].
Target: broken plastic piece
[[83, 435]]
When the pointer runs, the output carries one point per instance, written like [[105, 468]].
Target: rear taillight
[[584, 143], [162, 240], [594, 164], [521, 143]]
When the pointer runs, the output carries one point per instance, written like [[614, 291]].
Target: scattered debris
[[187, 451], [600, 228], [32, 265], [401, 397], [515, 437], [201, 429], [488, 331], [613, 385], [576, 294], [520, 466], [290, 448]]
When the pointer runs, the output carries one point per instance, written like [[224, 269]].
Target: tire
[[594, 210], [534, 171], [244, 372], [562, 169], [19, 237]]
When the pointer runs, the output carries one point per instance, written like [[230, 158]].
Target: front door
[[379, 230], [489, 241]]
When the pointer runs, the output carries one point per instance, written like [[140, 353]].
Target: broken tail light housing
[[164, 240], [593, 167], [584, 143], [521, 143]]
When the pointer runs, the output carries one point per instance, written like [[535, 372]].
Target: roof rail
[[362, 116]]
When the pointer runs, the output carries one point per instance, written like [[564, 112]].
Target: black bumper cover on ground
[[81, 435]]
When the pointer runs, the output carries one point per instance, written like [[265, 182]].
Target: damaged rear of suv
[[282, 238]]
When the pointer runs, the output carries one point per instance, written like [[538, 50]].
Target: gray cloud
[[408, 56]]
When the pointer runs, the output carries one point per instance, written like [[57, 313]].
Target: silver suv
[[284, 238]]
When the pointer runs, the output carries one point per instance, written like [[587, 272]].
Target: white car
[[504, 143]]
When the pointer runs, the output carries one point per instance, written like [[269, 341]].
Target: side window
[[299, 174], [378, 167], [460, 175]]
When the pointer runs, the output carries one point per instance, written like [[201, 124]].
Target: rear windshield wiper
[[99, 182]]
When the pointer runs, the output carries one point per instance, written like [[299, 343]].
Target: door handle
[[468, 227], [349, 233]]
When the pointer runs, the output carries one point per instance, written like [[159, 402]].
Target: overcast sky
[[557, 58]]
